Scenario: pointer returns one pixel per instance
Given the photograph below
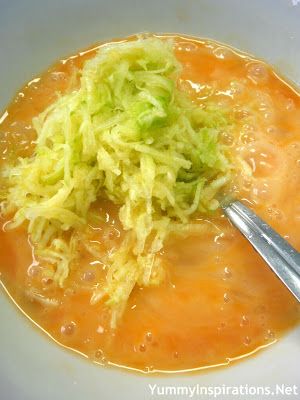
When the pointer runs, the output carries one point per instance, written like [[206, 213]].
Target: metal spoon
[[281, 257]]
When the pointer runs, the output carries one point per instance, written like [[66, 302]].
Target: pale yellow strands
[[128, 135]]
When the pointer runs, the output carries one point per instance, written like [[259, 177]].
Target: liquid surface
[[220, 301]]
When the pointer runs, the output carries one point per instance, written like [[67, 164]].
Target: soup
[[219, 301]]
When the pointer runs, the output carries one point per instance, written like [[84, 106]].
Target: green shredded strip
[[128, 134]]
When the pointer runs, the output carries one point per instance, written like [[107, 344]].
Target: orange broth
[[219, 301]]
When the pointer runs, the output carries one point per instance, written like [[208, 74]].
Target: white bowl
[[33, 35]]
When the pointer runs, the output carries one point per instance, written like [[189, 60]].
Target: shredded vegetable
[[130, 135]]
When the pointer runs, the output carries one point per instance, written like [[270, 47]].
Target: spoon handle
[[281, 257]]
